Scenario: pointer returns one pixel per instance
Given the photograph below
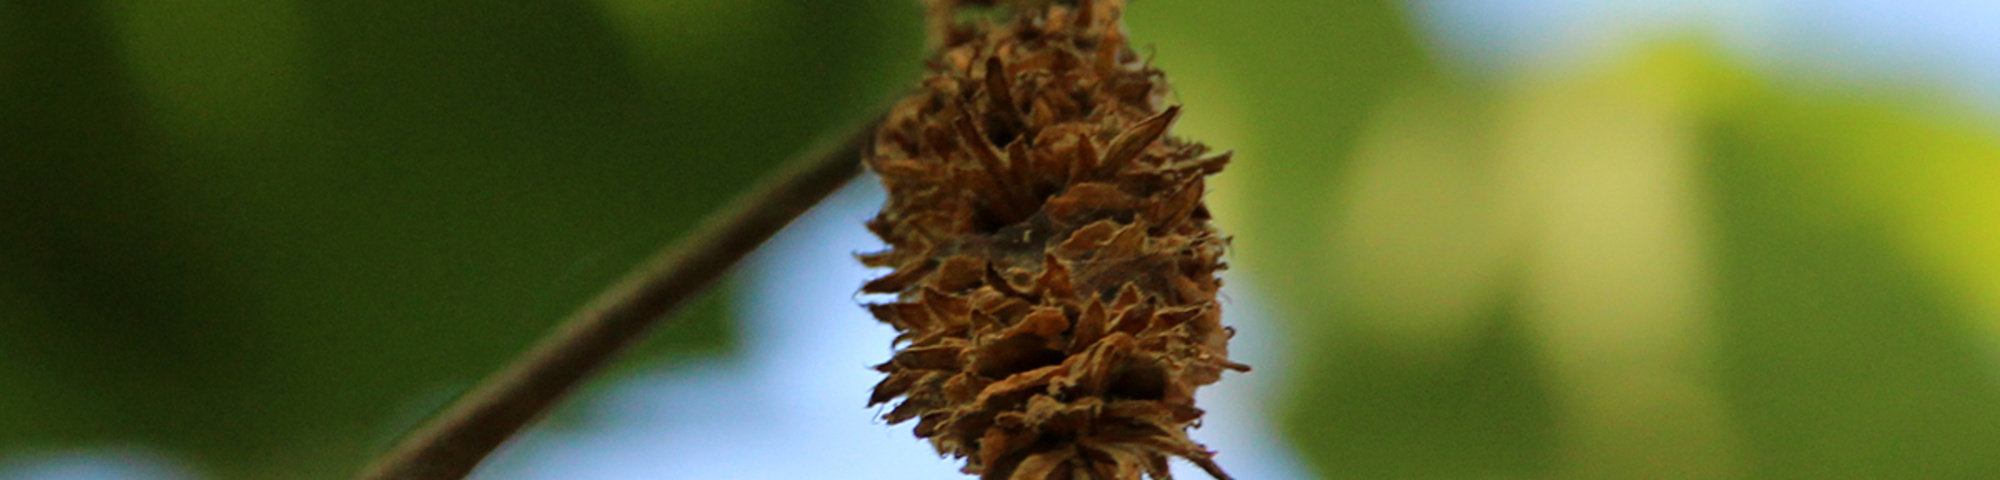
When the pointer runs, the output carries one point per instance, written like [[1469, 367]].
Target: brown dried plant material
[[1053, 264]]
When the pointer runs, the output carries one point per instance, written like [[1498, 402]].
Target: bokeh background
[[1475, 239]]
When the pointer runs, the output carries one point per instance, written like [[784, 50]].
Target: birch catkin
[[1053, 264]]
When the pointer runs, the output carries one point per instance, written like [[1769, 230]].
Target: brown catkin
[[1053, 265]]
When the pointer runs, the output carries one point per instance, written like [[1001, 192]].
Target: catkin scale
[[1053, 266]]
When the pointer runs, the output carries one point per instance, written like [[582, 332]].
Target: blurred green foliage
[[269, 235], [1657, 265]]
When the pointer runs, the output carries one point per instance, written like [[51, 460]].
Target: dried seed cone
[[1053, 264]]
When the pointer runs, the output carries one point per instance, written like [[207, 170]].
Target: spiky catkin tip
[[1053, 264]]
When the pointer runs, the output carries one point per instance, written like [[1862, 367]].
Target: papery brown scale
[[941, 357], [885, 258], [1177, 206], [1021, 165], [1127, 146], [1043, 322], [1055, 279], [1113, 462], [891, 313], [1018, 282], [1128, 297], [1087, 239], [1084, 159], [1090, 326], [1085, 201], [911, 407], [929, 425], [1042, 465], [895, 385], [1131, 320], [909, 171], [958, 273], [944, 305], [1045, 162], [982, 149], [1002, 441], [998, 392], [897, 281], [965, 387], [1002, 305], [1128, 241]]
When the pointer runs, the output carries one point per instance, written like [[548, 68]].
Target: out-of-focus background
[[1475, 239]]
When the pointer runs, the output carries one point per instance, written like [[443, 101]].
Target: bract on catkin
[[1053, 264]]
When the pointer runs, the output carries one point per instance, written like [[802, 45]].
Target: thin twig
[[452, 443]]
